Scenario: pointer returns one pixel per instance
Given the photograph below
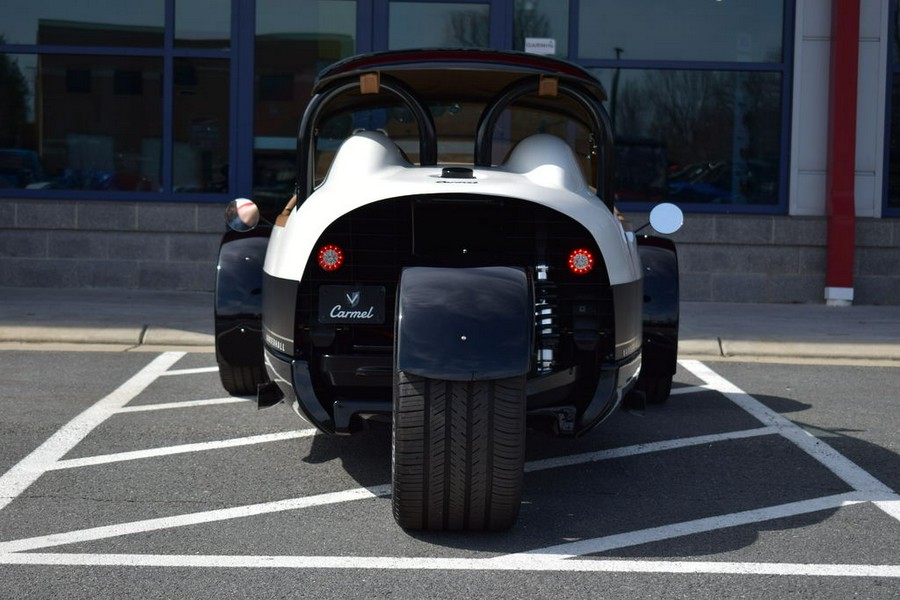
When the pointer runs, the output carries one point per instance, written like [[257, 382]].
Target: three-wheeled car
[[451, 262]]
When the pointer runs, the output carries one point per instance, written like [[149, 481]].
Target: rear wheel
[[242, 380], [458, 452]]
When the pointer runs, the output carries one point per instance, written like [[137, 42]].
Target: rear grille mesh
[[456, 231]]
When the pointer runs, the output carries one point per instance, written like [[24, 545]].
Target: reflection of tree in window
[[528, 22], [469, 29], [722, 127], [694, 110], [13, 101], [681, 107]]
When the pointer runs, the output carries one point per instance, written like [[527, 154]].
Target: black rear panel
[[379, 239]]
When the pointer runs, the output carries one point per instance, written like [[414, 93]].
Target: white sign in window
[[540, 45]]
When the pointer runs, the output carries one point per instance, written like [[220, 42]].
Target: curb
[[787, 349], [160, 337], [117, 336]]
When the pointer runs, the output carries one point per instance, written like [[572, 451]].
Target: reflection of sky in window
[[203, 19], [729, 30], [196, 19], [20, 17], [291, 16], [428, 25]]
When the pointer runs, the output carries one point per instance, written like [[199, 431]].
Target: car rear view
[[452, 263]]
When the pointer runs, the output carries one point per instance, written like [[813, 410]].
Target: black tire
[[458, 453], [656, 389], [243, 380]]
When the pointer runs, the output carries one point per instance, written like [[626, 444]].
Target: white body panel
[[369, 167]]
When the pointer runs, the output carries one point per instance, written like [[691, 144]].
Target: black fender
[[238, 297], [659, 261], [464, 324]]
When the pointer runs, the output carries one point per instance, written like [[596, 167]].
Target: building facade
[[126, 125]]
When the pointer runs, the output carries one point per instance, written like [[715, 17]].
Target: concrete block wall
[[877, 270], [780, 259], [172, 246], [139, 245]]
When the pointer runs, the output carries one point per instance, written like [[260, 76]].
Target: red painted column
[[840, 200]]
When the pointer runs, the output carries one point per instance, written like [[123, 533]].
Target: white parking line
[[891, 506], [190, 371], [182, 449], [26, 471], [183, 404], [688, 389], [675, 530], [562, 557], [840, 465], [209, 516], [96, 533], [587, 457], [531, 563]]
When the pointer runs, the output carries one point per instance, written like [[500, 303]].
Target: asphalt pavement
[[118, 319]]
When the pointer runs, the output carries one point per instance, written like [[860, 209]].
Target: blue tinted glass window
[[893, 183], [544, 24], [100, 122], [96, 23], [696, 137], [201, 127], [203, 23], [682, 30], [434, 24], [294, 41]]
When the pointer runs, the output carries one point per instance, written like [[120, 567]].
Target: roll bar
[[367, 83], [543, 85], [373, 83]]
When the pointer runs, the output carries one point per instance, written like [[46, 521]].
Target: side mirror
[[242, 215], [666, 218]]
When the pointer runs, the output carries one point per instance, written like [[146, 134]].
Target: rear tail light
[[581, 261], [330, 257]]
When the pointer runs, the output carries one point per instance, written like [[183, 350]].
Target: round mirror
[[241, 214], [666, 218]]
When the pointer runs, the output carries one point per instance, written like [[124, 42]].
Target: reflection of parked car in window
[[641, 169], [726, 182], [19, 168]]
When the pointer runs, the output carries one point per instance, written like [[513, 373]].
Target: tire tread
[[242, 380], [458, 453]]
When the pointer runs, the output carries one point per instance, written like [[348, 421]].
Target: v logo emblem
[[353, 298]]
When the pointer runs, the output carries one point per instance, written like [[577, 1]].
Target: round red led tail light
[[330, 257], [581, 261]]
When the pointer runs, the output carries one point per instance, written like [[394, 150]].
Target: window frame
[[372, 35], [168, 53], [892, 77]]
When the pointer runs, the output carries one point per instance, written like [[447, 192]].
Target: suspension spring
[[546, 318]]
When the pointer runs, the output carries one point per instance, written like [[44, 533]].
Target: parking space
[[166, 472]]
